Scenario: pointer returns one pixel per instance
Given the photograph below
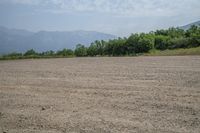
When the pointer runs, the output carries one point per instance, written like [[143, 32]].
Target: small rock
[[193, 113], [75, 111], [43, 108]]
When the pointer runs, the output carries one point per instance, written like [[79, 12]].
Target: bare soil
[[101, 95]]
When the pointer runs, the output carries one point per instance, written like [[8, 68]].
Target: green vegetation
[[31, 54], [173, 41], [80, 50], [175, 52]]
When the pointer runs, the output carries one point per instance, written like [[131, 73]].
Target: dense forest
[[172, 38]]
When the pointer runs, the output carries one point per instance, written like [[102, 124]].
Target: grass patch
[[188, 51], [32, 57]]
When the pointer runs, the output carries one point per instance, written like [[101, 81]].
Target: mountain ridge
[[19, 40], [186, 27]]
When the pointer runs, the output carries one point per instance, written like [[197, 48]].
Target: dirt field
[[101, 95]]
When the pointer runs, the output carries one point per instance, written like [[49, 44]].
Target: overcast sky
[[118, 17]]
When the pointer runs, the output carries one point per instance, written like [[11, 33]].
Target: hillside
[[16, 40], [186, 27]]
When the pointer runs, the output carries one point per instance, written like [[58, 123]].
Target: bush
[[140, 43], [161, 42], [65, 52], [80, 50], [178, 43], [30, 52]]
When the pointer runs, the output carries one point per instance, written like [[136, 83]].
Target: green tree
[[80, 50], [161, 42], [140, 43], [119, 47], [145, 43], [175, 32], [131, 43], [178, 43], [194, 36], [92, 50], [48, 53], [171, 32], [30, 52], [65, 52], [13, 55]]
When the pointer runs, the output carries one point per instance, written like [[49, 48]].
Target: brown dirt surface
[[101, 95]]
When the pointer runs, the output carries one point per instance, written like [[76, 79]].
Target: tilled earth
[[101, 95]]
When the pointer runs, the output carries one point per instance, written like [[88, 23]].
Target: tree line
[[138, 43]]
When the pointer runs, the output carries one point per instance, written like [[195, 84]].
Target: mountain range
[[17, 40], [186, 27]]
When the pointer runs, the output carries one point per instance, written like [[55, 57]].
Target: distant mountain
[[186, 27], [16, 40]]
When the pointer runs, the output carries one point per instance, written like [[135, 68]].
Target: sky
[[117, 17]]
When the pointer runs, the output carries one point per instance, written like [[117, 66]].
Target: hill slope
[[186, 27], [15, 40]]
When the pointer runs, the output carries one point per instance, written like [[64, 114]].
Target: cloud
[[119, 7], [30, 2]]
